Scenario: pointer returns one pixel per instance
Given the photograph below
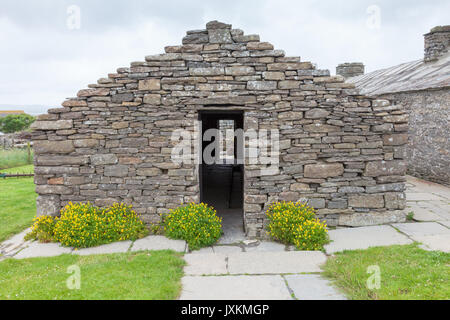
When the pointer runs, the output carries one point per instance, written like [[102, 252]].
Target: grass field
[[152, 275], [17, 205], [406, 273], [19, 170], [14, 158]]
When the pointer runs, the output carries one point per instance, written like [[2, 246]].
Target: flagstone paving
[[312, 287], [116, 247], [364, 238], [264, 287], [159, 243], [239, 268]]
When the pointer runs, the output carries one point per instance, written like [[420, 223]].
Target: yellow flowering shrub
[[42, 229], [83, 225], [296, 223], [197, 224]]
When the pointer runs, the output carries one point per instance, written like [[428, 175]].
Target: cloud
[[43, 62]]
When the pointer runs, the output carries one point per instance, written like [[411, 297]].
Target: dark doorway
[[222, 168]]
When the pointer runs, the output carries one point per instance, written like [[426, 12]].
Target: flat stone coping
[[235, 288]]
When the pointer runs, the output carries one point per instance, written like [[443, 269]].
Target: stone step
[[254, 263]]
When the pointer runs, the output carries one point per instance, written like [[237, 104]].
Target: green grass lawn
[[19, 170], [407, 273], [152, 275], [17, 205], [15, 158]]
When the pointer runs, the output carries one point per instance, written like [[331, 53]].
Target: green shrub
[[15, 123], [295, 223], [197, 224], [43, 229], [82, 225]]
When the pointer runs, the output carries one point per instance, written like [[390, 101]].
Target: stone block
[[53, 147], [116, 171], [239, 70], [47, 205], [103, 159], [122, 97], [196, 38], [93, 92], [85, 143], [52, 125], [323, 170], [289, 66], [148, 172], [289, 84], [220, 36], [53, 189], [395, 139], [262, 85], [42, 160], [153, 99], [273, 75], [385, 168], [316, 114], [321, 128], [366, 201], [396, 201], [255, 198], [207, 72], [150, 85], [290, 115]]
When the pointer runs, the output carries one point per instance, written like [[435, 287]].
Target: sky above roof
[[52, 48]]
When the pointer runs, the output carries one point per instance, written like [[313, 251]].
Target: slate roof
[[411, 76]]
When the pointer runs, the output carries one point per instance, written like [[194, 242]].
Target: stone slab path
[[428, 201], [238, 268], [18, 248]]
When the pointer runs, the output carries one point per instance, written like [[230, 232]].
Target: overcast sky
[[46, 55]]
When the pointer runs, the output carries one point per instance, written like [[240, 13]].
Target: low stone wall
[[428, 151], [342, 151], [15, 140]]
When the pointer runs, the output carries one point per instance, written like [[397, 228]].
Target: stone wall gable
[[112, 143]]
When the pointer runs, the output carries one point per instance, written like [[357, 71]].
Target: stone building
[[115, 142], [423, 87]]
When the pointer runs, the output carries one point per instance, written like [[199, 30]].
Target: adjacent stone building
[[423, 87], [338, 149]]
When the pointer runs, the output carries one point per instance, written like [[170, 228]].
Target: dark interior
[[221, 183]]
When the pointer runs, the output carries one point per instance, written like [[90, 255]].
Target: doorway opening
[[222, 168]]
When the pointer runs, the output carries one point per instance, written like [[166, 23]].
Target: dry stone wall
[[342, 151], [429, 135]]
